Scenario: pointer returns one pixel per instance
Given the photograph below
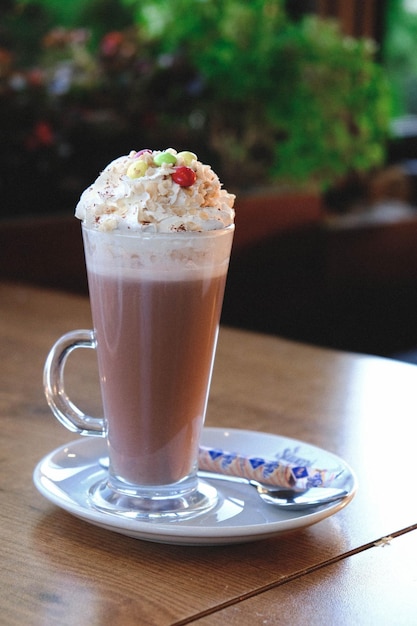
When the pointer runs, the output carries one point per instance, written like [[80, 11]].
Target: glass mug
[[156, 301]]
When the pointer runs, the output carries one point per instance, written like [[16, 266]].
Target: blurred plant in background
[[294, 102], [400, 55], [264, 98]]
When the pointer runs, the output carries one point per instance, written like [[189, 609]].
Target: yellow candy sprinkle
[[137, 169], [186, 157]]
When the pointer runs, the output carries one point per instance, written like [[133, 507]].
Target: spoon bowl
[[299, 500]]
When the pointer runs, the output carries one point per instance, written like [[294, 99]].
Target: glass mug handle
[[53, 380]]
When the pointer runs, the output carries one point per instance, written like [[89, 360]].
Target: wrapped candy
[[267, 472]]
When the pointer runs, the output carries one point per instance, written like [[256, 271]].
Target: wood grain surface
[[57, 569]]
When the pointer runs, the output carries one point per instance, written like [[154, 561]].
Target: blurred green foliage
[[297, 99], [400, 58], [276, 100]]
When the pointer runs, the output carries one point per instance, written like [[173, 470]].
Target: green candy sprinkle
[[165, 157]]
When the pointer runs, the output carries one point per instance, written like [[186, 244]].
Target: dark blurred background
[[307, 109]]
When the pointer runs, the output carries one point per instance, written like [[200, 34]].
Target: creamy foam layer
[[156, 191], [158, 256]]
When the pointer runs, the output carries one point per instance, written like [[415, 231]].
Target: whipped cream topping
[[156, 191]]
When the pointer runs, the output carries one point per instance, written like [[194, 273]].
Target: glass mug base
[[157, 504]]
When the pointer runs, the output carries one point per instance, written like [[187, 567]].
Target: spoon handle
[[267, 472]]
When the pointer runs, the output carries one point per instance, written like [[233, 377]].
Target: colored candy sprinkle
[[186, 157], [137, 169], [144, 151], [165, 157], [184, 176]]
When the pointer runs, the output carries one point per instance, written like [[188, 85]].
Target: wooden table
[[356, 567]]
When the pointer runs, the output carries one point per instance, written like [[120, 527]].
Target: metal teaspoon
[[286, 498]]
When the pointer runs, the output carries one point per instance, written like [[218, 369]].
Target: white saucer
[[65, 475]]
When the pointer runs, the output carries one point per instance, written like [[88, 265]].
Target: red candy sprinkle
[[184, 176]]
